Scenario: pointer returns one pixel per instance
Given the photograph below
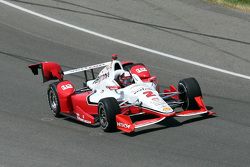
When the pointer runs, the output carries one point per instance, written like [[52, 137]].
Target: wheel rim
[[53, 100], [183, 96], [103, 117]]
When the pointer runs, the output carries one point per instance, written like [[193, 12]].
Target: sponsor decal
[[158, 103], [82, 119], [166, 108], [149, 93], [113, 87], [86, 68], [140, 89], [101, 78], [123, 125], [155, 99], [65, 87], [140, 70]]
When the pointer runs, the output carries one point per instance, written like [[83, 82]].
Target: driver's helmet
[[125, 79]]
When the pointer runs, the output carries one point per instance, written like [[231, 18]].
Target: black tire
[[189, 89], [54, 100], [108, 108]]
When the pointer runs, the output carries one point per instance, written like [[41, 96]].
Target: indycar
[[103, 101]]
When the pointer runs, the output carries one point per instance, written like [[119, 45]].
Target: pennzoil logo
[[123, 125]]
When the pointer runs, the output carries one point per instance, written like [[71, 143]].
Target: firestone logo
[[123, 125]]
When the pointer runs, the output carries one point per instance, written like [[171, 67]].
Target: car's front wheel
[[189, 89], [108, 108]]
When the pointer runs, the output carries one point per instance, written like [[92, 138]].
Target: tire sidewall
[[111, 108], [53, 91], [184, 96], [101, 108], [190, 89]]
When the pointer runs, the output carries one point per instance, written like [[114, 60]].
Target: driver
[[125, 79]]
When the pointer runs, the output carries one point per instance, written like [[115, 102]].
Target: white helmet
[[125, 79]]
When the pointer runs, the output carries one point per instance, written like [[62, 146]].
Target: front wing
[[125, 123]]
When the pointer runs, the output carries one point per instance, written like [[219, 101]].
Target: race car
[[121, 92]]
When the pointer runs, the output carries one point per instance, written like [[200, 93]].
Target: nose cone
[[158, 104], [149, 97], [151, 100]]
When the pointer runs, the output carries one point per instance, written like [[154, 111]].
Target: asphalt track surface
[[192, 29]]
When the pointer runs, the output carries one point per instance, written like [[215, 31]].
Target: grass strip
[[243, 5]]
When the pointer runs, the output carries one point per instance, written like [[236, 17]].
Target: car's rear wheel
[[189, 89], [108, 108], [54, 100]]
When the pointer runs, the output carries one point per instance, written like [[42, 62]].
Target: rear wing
[[53, 71]]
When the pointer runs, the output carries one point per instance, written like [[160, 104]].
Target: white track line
[[124, 42]]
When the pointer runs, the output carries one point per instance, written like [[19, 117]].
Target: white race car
[[121, 92]]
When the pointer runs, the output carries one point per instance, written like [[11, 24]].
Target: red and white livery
[[106, 100]]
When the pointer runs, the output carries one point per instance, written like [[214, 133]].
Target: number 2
[[149, 93]]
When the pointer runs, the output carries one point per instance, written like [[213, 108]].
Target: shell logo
[[166, 108]]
